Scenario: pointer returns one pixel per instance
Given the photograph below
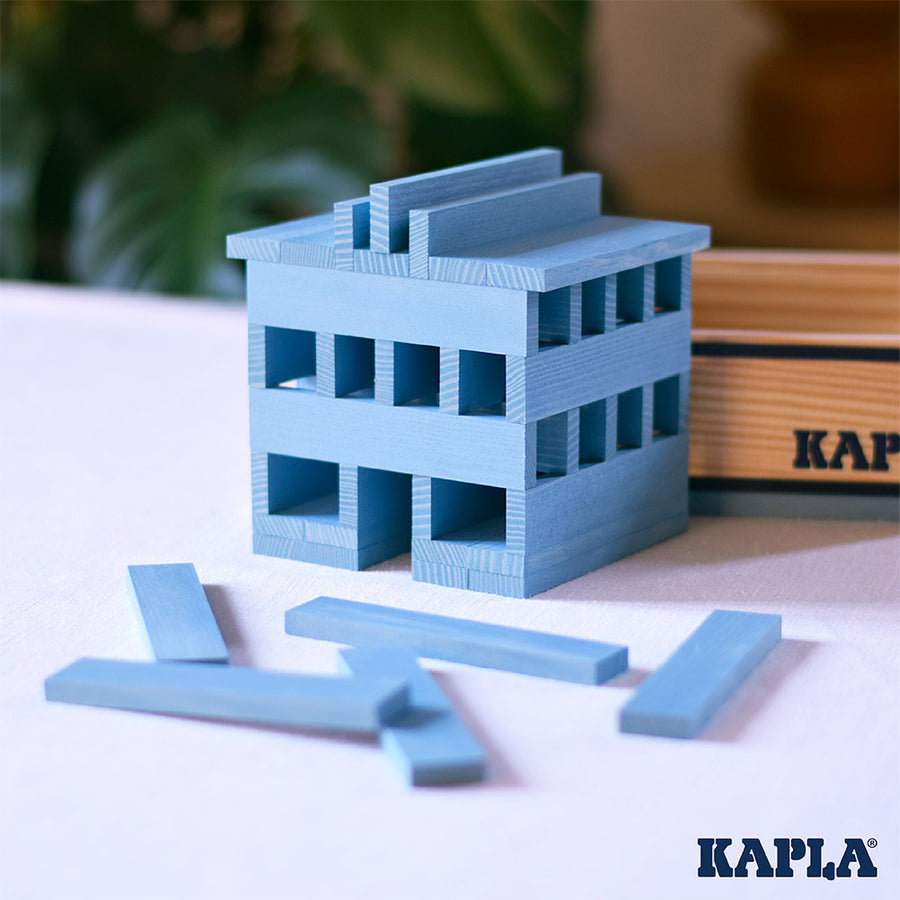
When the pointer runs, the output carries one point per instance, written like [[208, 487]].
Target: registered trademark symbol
[[871, 842]]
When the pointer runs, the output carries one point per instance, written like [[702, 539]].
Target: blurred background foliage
[[134, 136]]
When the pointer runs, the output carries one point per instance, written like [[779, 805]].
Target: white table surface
[[123, 439]]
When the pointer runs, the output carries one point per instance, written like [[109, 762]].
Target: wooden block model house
[[473, 365]]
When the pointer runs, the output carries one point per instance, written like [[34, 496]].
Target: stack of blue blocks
[[475, 365]]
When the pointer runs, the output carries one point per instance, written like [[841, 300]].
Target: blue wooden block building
[[473, 364]]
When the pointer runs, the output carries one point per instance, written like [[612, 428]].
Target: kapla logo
[[715, 862], [810, 454]]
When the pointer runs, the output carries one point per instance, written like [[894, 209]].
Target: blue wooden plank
[[680, 697], [564, 377], [391, 308], [573, 566], [578, 253], [175, 613], [234, 693], [443, 229], [376, 504], [559, 316], [558, 444], [391, 201], [267, 243], [311, 250], [422, 440], [458, 640], [430, 744], [440, 573], [351, 230], [654, 477], [381, 263]]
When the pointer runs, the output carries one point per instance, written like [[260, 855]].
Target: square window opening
[[598, 305], [555, 317], [630, 287], [668, 285], [468, 513], [596, 431], [417, 372], [482, 383], [630, 418], [302, 487], [290, 358], [553, 446], [354, 366], [666, 412]]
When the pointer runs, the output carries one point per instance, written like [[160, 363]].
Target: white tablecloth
[[123, 439]]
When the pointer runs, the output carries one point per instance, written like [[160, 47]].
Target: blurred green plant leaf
[[465, 56], [154, 213], [24, 136]]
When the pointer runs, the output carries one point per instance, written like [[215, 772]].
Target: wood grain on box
[[796, 372]]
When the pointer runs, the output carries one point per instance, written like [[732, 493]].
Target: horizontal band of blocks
[[571, 375], [493, 320], [457, 640], [354, 559], [430, 744], [680, 697], [372, 263], [578, 253], [481, 449], [444, 229], [233, 693], [175, 613], [543, 579], [391, 201], [302, 242]]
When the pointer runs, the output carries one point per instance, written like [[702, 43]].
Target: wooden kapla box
[[795, 384]]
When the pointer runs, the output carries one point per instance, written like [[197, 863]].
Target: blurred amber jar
[[822, 110]]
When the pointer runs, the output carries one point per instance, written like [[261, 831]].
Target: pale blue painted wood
[[407, 373], [597, 430], [277, 355], [175, 613], [635, 293], [565, 377], [558, 510], [439, 573], [266, 243], [429, 744], [558, 444], [233, 693], [482, 383], [376, 505], [351, 230], [559, 316], [315, 250], [390, 308], [469, 552], [325, 554], [582, 252], [442, 230], [634, 421], [600, 555], [679, 698], [458, 640], [598, 305], [459, 271], [479, 449], [381, 263], [392, 200]]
